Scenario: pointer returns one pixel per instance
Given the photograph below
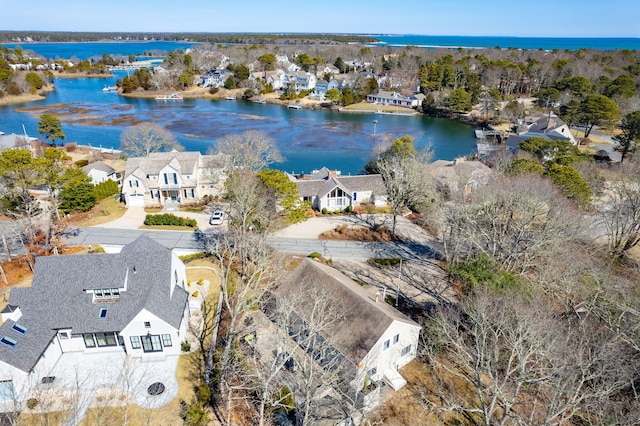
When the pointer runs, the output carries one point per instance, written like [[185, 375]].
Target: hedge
[[168, 219], [106, 189]]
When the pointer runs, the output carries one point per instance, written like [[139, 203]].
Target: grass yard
[[105, 211]]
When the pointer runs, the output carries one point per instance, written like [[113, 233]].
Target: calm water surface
[[309, 139]]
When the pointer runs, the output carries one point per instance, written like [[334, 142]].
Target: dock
[[482, 133]]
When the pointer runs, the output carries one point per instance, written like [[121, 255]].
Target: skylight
[[20, 328], [8, 341], [103, 312]]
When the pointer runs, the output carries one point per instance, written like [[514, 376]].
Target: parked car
[[216, 218]]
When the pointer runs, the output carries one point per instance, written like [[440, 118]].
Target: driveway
[[133, 218]]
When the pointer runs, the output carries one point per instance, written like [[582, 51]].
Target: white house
[[100, 172], [214, 78], [303, 81], [172, 177], [550, 126], [126, 306], [329, 189], [384, 97], [375, 338]]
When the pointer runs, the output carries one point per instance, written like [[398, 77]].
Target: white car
[[216, 218]]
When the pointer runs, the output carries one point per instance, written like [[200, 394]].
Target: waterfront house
[[303, 81], [214, 78], [100, 172], [549, 126], [384, 97], [183, 177], [323, 86], [328, 189], [18, 142], [327, 69], [92, 309]]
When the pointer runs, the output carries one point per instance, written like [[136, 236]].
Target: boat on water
[[230, 98], [259, 101], [110, 89], [176, 96], [294, 106]]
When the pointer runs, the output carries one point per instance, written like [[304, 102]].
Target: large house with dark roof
[[329, 189], [374, 337], [133, 302], [172, 177]]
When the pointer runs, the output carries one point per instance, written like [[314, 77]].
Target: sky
[[539, 18]]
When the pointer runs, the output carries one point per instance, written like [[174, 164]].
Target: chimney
[[332, 174]]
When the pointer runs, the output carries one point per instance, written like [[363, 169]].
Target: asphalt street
[[303, 246]]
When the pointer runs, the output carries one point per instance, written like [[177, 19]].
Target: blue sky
[[551, 18]]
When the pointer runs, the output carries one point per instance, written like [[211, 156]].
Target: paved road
[[121, 237], [186, 241], [352, 250]]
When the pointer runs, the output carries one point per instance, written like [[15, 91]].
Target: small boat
[[259, 101], [294, 106], [230, 98], [172, 97], [110, 89]]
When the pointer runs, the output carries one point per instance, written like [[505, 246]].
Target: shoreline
[[27, 97]]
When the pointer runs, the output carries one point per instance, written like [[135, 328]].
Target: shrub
[[185, 346], [349, 209], [324, 210], [214, 90], [169, 219], [384, 261], [106, 189], [483, 271], [187, 257], [200, 281], [32, 403], [195, 293], [315, 255], [82, 163]]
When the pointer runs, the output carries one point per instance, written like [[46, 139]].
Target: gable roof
[[365, 320], [99, 165], [322, 181], [58, 298]]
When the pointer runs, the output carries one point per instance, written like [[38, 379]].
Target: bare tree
[[251, 150], [407, 182], [144, 138], [308, 318], [524, 365], [621, 216], [515, 221]]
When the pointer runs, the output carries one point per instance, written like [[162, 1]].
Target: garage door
[[135, 200]]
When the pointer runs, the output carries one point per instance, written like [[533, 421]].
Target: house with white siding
[[372, 338], [123, 307], [328, 189], [100, 172], [183, 177]]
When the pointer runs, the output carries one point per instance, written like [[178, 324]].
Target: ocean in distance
[[544, 43], [139, 48]]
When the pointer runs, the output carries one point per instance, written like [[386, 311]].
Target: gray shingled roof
[[57, 300], [319, 184], [365, 319], [185, 162], [98, 165]]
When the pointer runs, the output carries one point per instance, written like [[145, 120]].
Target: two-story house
[[110, 307], [373, 339], [172, 177]]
